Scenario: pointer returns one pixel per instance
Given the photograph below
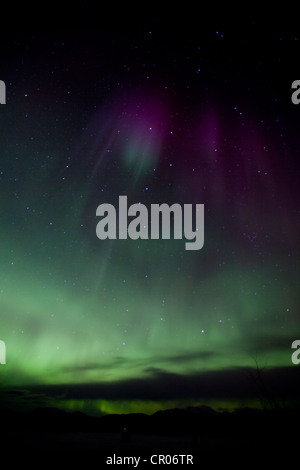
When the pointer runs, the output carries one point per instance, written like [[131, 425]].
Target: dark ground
[[240, 438]]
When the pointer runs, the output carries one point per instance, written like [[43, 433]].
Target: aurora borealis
[[201, 117]]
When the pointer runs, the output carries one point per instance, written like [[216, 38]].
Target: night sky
[[189, 111]]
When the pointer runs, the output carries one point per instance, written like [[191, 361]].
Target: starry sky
[[193, 111]]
